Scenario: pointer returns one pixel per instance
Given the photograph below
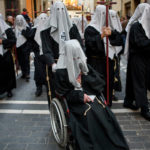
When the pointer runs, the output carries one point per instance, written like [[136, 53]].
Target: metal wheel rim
[[54, 123]]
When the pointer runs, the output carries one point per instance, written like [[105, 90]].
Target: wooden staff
[[83, 14], [48, 85], [15, 58]]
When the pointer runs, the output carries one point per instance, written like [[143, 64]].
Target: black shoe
[[146, 115], [27, 78], [38, 91], [130, 106], [9, 94], [23, 76], [114, 98]]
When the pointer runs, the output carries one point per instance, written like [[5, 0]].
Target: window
[[12, 7]]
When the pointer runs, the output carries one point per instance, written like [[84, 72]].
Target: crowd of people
[[70, 60]]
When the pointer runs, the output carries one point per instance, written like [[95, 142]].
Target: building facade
[[126, 7], [14, 7]]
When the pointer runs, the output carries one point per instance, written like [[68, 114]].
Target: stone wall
[[2, 7], [22, 4], [121, 6]]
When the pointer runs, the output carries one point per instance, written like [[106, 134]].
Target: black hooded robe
[[51, 50], [97, 129], [23, 53], [95, 52], [7, 72], [39, 74], [138, 68]]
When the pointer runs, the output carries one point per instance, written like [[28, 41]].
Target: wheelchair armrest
[[58, 94]]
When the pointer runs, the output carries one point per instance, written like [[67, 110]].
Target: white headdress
[[75, 20], [60, 24], [75, 61], [136, 17], [115, 20], [20, 24], [145, 21], [40, 21], [78, 22], [98, 20], [3, 28], [116, 25]]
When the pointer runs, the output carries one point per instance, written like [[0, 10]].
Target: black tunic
[[40, 66], [95, 52], [7, 75], [138, 66], [97, 129], [23, 53]]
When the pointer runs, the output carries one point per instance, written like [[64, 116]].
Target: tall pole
[[82, 18], [107, 51], [107, 3]]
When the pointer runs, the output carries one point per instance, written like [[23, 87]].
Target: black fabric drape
[[7, 75], [138, 66], [98, 128]]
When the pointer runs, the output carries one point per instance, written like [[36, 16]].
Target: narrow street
[[25, 120]]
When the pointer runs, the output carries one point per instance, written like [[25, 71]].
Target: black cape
[[98, 129], [7, 75], [138, 70], [39, 63]]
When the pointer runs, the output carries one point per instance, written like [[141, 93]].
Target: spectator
[[26, 17], [10, 21]]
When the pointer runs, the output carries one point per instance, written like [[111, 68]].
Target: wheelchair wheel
[[58, 122], [69, 147]]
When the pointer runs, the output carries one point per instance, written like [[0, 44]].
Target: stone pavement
[[25, 120]]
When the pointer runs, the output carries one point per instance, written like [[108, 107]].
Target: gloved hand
[[54, 67]]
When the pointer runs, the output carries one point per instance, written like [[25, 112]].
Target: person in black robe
[[40, 66], [7, 75], [95, 47], [23, 46], [129, 94], [26, 17], [138, 65], [116, 25], [78, 21], [58, 29], [93, 125]]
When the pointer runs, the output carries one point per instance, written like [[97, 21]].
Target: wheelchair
[[59, 113]]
